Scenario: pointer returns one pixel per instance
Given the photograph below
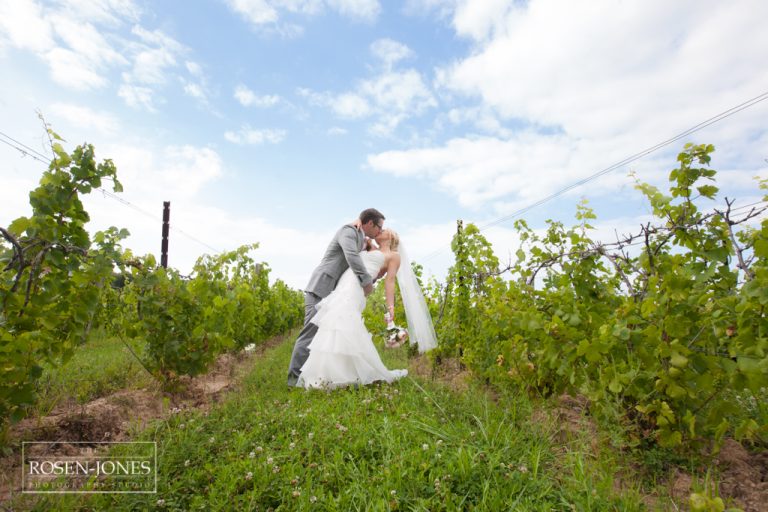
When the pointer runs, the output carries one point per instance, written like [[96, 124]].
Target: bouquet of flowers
[[396, 335]]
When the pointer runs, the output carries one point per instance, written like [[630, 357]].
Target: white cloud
[[306, 7], [613, 65], [194, 68], [364, 10], [256, 12], [83, 43], [173, 172], [266, 15], [561, 90], [336, 130], [402, 92], [153, 57], [83, 117], [194, 90], [247, 135], [73, 70], [480, 20], [137, 96], [23, 25], [248, 98], [389, 97], [483, 118], [109, 12], [512, 172], [77, 53], [351, 106], [84, 39], [188, 168], [197, 87], [433, 8], [390, 52], [397, 95]]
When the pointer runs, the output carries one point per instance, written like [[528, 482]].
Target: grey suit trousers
[[301, 348]]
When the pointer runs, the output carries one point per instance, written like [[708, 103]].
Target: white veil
[[420, 328]]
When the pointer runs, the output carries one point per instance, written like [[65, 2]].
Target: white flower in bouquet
[[396, 335]]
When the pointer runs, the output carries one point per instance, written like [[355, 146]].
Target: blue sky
[[278, 120]]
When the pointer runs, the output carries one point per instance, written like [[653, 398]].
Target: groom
[[342, 253]]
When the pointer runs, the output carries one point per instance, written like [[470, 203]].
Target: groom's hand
[[367, 289]]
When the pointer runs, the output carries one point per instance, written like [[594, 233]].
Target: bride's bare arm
[[389, 284]]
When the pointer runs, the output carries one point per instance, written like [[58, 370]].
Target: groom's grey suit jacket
[[342, 253]]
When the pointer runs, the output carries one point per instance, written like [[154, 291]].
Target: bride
[[342, 351]]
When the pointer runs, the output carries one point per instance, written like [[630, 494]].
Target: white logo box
[[145, 444]]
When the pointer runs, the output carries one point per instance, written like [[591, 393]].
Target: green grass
[[100, 367], [413, 445]]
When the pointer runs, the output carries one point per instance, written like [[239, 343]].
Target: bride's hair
[[394, 240]]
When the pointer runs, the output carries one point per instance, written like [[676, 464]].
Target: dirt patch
[[117, 416], [571, 415], [449, 371], [744, 476]]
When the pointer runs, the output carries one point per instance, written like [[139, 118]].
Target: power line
[[700, 126], [40, 157], [21, 148], [31, 150]]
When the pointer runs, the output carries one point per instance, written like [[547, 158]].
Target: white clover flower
[[259, 449], [186, 463], [439, 442], [275, 468], [311, 435], [523, 469], [293, 432], [252, 455], [212, 439], [312, 499], [425, 447], [292, 446], [393, 492], [296, 493], [270, 460], [249, 475], [161, 502]]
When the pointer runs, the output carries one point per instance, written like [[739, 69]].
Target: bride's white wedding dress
[[342, 351]]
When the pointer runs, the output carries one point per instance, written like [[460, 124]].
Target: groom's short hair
[[371, 214]]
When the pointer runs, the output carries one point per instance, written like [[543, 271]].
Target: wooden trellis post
[[164, 247]]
